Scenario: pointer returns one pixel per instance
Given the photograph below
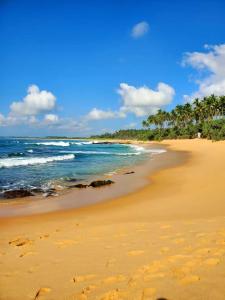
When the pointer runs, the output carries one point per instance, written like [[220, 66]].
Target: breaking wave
[[15, 162], [59, 144]]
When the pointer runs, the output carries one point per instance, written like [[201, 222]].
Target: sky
[[78, 68]]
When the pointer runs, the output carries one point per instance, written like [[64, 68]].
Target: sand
[[164, 241]]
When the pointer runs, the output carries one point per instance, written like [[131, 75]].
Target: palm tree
[[198, 111], [187, 114], [145, 123]]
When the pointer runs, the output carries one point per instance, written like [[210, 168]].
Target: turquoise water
[[32, 163]]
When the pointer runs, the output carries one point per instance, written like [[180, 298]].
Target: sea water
[[39, 163]]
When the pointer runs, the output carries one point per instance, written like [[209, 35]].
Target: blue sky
[[80, 52]]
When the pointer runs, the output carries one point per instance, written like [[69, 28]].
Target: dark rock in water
[[99, 183], [79, 186], [127, 173], [17, 193]]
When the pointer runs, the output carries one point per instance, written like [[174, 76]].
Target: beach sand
[[164, 241]]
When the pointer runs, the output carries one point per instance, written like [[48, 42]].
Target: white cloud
[[51, 118], [143, 100], [98, 114], [213, 62], [140, 29], [34, 103]]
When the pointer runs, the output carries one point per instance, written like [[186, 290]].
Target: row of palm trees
[[206, 109]]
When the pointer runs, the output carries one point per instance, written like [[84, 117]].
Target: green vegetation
[[204, 117]]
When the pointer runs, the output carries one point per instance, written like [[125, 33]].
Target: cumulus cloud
[[212, 61], [140, 29], [98, 114], [51, 118], [143, 100], [34, 103], [137, 100]]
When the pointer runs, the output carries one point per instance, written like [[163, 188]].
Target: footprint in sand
[[10, 274], [203, 251], [41, 292], [152, 268], [110, 262], [77, 279], [192, 263], [212, 261], [66, 243], [113, 279], [174, 258], [19, 242], [189, 279], [132, 282], [90, 288], [27, 253], [33, 269], [44, 236], [135, 252]]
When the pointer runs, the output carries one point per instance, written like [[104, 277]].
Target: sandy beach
[[166, 240]]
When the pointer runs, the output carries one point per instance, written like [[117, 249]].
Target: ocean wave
[[102, 153], [30, 150], [59, 144], [82, 143], [15, 162], [142, 150]]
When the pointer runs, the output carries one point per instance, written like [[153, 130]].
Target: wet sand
[[164, 240]]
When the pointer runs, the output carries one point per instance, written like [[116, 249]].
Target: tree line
[[203, 117]]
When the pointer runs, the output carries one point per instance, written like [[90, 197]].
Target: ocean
[[41, 163]]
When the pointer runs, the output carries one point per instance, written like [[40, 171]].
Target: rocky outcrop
[[19, 193], [78, 186], [99, 183]]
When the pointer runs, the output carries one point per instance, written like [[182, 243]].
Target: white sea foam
[[15, 162], [59, 144], [82, 143], [30, 151], [141, 149]]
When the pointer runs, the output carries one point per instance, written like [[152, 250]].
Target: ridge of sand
[[165, 241]]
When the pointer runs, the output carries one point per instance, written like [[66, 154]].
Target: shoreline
[[165, 240], [124, 184]]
